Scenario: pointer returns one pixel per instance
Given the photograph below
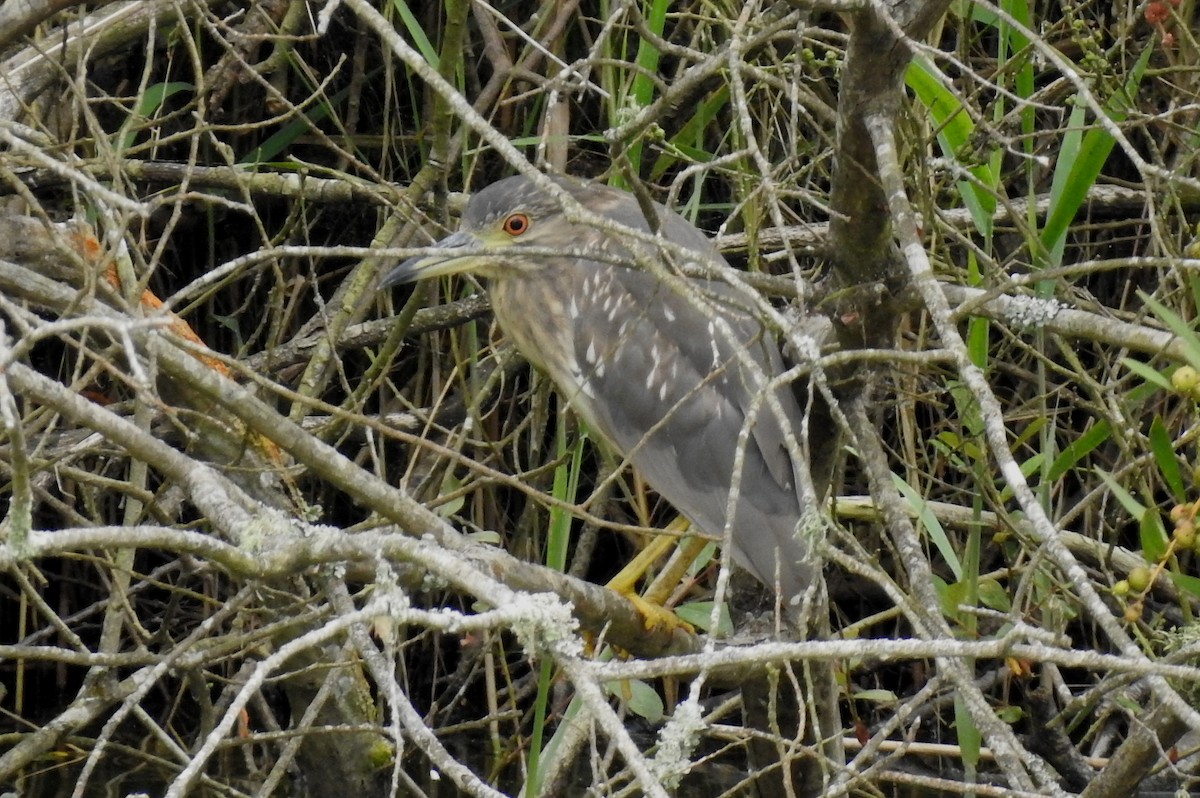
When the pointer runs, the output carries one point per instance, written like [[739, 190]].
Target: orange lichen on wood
[[89, 247]]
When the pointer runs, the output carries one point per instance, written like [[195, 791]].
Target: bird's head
[[510, 226]]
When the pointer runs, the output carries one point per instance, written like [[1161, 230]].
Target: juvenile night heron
[[667, 371]]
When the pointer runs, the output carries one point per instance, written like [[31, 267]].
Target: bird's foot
[[656, 616], [651, 605]]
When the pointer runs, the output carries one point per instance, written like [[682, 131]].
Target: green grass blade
[[1078, 449], [1181, 328], [417, 32], [1163, 447], [933, 526], [688, 140], [955, 131], [533, 782], [566, 486], [641, 93], [152, 100], [1080, 160], [283, 138], [1150, 527], [1131, 505], [1151, 375]]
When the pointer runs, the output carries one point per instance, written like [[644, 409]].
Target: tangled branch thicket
[[271, 532]]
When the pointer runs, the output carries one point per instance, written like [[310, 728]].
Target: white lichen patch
[[431, 582], [544, 624], [389, 604], [677, 741], [1028, 312]]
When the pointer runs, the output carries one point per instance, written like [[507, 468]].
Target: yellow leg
[[669, 577], [651, 606]]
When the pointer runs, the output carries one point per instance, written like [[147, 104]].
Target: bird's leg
[[650, 605], [672, 573]]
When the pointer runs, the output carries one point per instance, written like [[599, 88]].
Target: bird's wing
[[672, 389]]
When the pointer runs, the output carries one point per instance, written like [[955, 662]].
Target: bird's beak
[[457, 252]]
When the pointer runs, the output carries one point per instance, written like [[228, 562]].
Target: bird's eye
[[516, 224]]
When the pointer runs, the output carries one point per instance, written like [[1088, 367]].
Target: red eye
[[515, 225]]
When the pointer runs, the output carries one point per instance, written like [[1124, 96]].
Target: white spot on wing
[[585, 386], [670, 314]]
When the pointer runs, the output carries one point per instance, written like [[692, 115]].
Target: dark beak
[[460, 253]]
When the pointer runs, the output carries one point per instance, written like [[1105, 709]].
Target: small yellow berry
[[1121, 588], [1185, 379], [1139, 578], [1185, 534]]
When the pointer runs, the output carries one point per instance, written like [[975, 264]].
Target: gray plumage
[[667, 373]]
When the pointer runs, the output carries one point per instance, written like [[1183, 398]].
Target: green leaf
[[450, 484], [993, 595], [1029, 467], [541, 759], [1079, 448], [1186, 582], [1131, 505], [641, 699], [953, 597], [1153, 534], [703, 559], [157, 94], [979, 340], [1032, 430], [1150, 375], [1070, 185], [699, 613], [1163, 447], [540, 703], [1127, 702], [1150, 526], [488, 537], [877, 696], [968, 408]]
